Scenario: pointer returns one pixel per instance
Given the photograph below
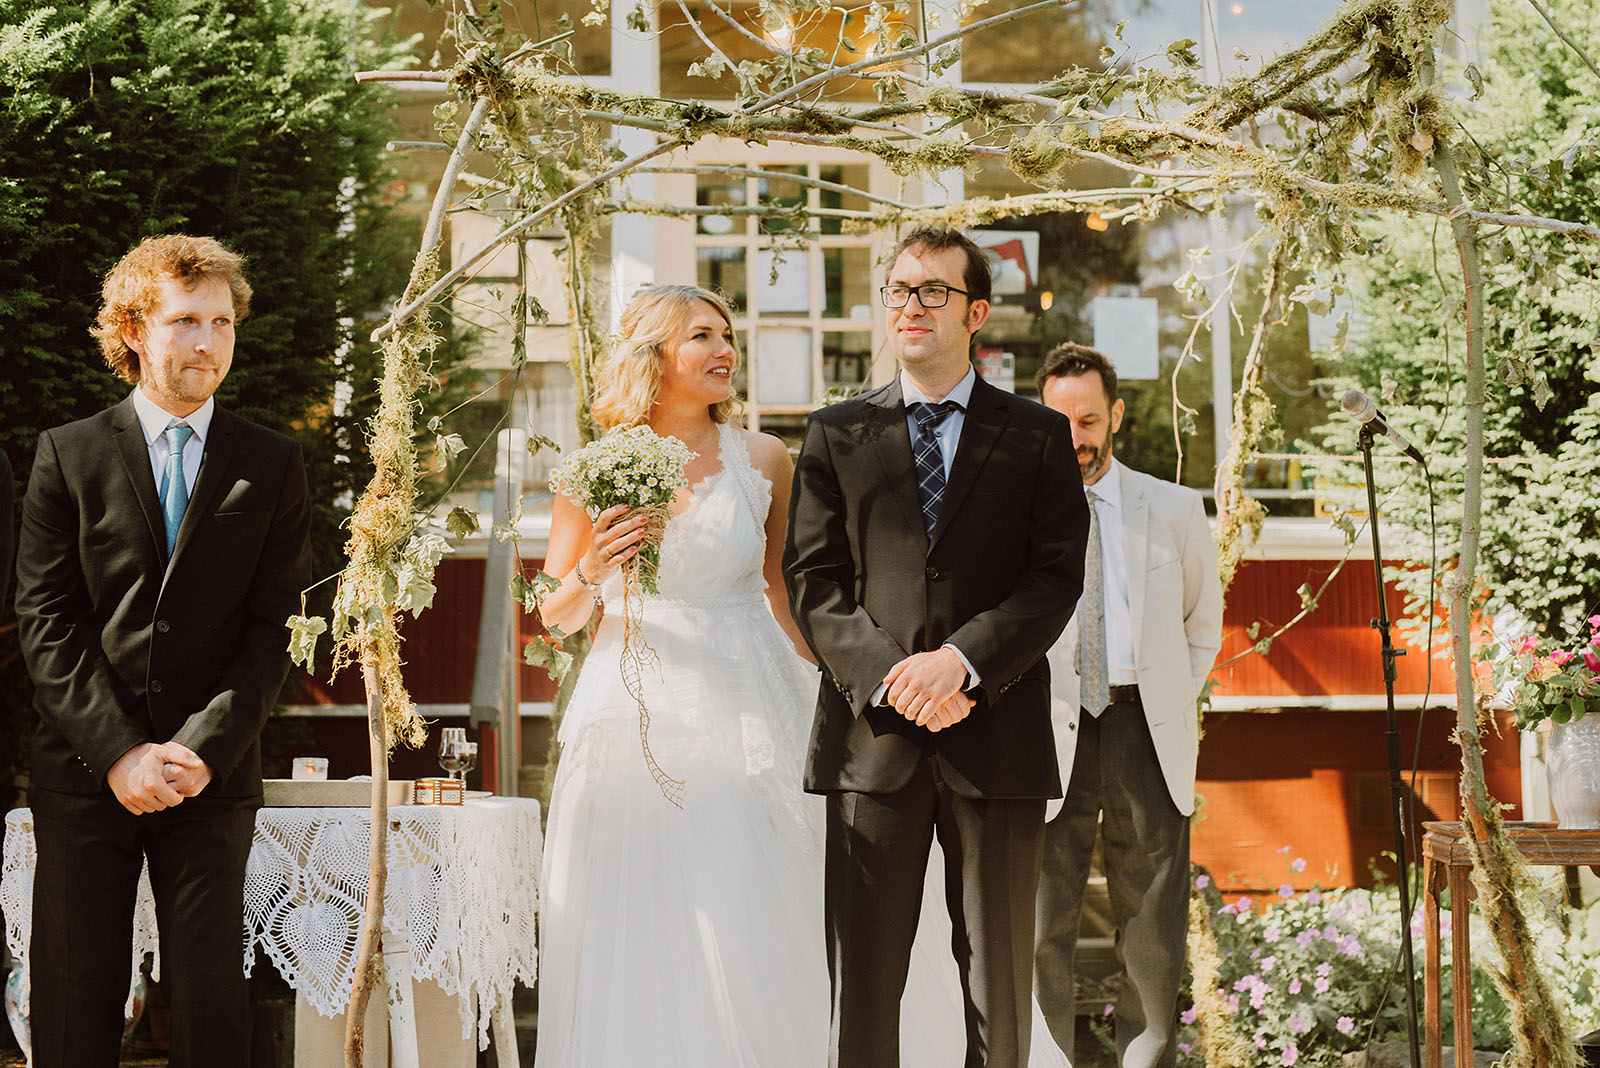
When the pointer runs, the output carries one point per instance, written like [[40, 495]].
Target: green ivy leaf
[[1182, 54], [303, 634], [547, 655], [462, 522]]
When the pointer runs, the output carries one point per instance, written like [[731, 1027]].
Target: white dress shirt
[[153, 420], [1120, 669], [948, 434]]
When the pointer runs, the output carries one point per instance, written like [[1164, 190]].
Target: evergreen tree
[[120, 119]]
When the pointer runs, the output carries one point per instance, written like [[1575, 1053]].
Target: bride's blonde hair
[[629, 382]]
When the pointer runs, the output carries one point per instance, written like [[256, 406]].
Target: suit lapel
[[134, 452], [215, 461], [980, 429], [891, 438], [1136, 546]]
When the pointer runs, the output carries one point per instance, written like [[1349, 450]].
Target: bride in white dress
[[693, 937]]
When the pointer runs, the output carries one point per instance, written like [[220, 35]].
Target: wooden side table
[[1446, 863]]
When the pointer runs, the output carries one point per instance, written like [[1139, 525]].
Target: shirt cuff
[[972, 673], [879, 695]]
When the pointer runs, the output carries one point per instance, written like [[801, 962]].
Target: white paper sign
[[1127, 331]]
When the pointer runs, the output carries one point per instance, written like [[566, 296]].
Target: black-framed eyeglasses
[[930, 295]]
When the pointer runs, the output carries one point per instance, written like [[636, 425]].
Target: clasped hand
[[155, 776], [925, 688]]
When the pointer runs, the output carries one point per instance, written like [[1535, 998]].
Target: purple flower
[[1331, 932], [1345, 1025], [1243, 903], [1285, 891], [1185, 1049], [1294, 986], [1189, 1015], [1258, 996], [1284, 849], [1269, 962], [1321, 986], [1260, 1040], [1290, 1056], [1305, 938], [1233, 1003], [1324, 970], [1271, 935], [1108, 1010], [1297, 1022], [1202, 881], [1298, 864], [1313, 897], [1350, 945]]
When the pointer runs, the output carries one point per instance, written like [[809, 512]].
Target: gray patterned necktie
[[174, 490], [929, 458], [1095, 693]]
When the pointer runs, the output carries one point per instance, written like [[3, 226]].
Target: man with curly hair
[[164, 545]]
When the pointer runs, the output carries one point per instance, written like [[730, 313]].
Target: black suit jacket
[[7, 544], [998, 579], [125, 648]]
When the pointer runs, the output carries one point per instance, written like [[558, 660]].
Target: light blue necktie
[[174, 490], [1093, 676]]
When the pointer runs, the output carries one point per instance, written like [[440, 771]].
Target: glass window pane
[[846, 362], [790, 429], [856, 176], [721, 269], [780, 193], [783, 282], [847, 283], [783, 366], [718, 190]]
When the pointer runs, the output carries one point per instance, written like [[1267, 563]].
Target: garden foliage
[[1535, 146], [120, 119]]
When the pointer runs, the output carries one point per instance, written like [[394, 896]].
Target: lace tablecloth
[[462, 890]]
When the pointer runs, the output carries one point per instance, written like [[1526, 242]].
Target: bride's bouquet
[[637, 467]]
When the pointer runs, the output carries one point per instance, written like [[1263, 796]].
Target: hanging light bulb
[[1096, 222]]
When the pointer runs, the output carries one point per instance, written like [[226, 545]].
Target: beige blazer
[[1175, 604]]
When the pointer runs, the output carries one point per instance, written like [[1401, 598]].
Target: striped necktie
[[174, 490], [930, 460]]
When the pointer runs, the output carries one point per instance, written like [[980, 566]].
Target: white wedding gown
[[694, 938]]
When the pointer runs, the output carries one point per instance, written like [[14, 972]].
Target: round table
[[459, 905]]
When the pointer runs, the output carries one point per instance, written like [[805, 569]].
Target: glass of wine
[[453, 752], [469, 760]]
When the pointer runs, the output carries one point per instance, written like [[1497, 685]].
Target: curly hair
[[629, 382], [131, 289], [1070, 359]]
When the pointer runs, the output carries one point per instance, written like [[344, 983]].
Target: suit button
[[155, 685], [934, 574], [163, 626]]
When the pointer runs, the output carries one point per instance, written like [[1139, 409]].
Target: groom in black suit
[[164, 545], [935, 552]]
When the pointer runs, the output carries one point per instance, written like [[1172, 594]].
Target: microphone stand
[[1397, 789]]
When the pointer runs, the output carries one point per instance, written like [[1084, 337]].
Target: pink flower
[[1290, 1056], [1243, 903], [1185, 1048], [1108, 1010], [1321, 986], [1324, 970], [1269, 962], [1202, 881], [1313, 897], [1286, 891], [1592, 658], [1294, 986], [1298, 864], [1271, 935], [1345, 1025], [1594, 621], [1189, 1015], [1297, 1022], [1260, 1040], [1528, 644], [1305, 938], [1560, 657]]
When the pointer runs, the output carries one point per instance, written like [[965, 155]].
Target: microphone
[[1360, 407]]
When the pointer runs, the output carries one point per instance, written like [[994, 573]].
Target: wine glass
[[453, 752], [469, 760]]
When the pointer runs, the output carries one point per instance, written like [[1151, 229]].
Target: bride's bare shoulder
[[768, 454]]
